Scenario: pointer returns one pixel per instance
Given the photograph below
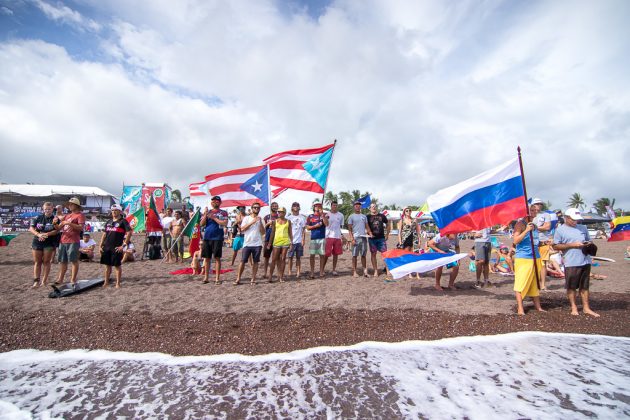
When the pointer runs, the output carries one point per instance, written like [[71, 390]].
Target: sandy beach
[[177, 314]]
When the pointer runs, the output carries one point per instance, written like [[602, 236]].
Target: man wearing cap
[[575, 243], [71, 227], [543, 223], [298, 224], [212, 223], [253, 230], [86, 247], [379, 234], [333, 221], [117, 235], [315, 225], [358, 229], [267, 249]]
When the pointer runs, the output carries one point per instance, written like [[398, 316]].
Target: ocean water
[[512, 376]]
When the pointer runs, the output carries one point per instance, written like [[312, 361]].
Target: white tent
[[27, 195]]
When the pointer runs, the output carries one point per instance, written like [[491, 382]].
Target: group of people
[[59, 234]]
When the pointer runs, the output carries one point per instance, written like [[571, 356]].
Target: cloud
[[66, 15], [419, 95]]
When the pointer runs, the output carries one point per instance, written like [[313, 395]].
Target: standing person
[[334, 246], [524, 270], [444, 245], [298, 225], [408, 231], [543, 224], [177, 227], [379, 229], [575, 243], [167, 238], [253, 230], [483, 246], [317, 246], [43, 247], [71, 227], [269, 219], [213, 222], [358, 229], [86, 247], [57, 238], [281, 238], [237, 234], [117, 235]]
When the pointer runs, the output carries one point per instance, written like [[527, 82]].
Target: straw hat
[[73, 200]]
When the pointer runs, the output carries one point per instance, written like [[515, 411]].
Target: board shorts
[[254, 251], [111, 258], [482, 251], [452, 265], [317, 247], [379, 245], [68, 253], [267, 251], [577, 277], [360, 247], [544, 252], [47, 245], [167, 241], [333, 246], [296, 250], [212, 248], [237, 243]]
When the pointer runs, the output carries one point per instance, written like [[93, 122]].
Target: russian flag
[[621, 229], [491, 198], [401, 263]]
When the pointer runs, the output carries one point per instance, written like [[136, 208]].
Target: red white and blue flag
[[494, 197], [401, 263], [302, 169], [238, 187]]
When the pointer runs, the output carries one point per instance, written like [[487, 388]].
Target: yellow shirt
[[281, 237]]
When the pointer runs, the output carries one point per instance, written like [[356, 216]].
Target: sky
[[419, 94]]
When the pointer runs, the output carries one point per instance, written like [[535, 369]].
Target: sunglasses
[[255, 207]]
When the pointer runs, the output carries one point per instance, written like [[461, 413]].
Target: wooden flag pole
[[529, 217]]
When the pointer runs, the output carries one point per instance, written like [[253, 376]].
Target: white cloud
[[64, 14], [420, 95]]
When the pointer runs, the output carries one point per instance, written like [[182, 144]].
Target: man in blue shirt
[[212, 223], [571, 239]]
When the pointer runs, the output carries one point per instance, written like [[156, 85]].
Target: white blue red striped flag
[[401, 263]]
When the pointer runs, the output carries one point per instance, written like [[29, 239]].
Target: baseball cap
[[357, 202], [216, 198], [116, 207], [573, 214], [537, 201], [317, 205]]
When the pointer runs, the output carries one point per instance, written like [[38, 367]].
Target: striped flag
[[238, 187], [491, 198], [302, 169], [401, 263], [621, 229]]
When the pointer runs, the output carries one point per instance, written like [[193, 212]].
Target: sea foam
[[520, 375]]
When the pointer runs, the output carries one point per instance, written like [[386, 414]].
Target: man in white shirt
[[253, 230], [298, 225], [334, 245], [358, 228], [86, 248], [167, 238]]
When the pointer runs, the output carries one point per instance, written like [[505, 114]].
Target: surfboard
[[603, 259], [69, 290]]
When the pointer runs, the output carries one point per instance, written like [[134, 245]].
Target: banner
[[131, 198], [160, 196]]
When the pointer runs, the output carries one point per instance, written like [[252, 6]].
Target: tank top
[[524, 248], [281, 237]]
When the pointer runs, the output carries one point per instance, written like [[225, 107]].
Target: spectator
[[86, 248]]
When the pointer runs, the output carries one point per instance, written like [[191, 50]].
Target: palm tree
[[601, 204], [329, 197], [576, 201]]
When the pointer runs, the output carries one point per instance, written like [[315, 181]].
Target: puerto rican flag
[[495, 197], [238, 187], [302, 169]]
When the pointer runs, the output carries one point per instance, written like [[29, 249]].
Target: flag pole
[[529, 217], [269, 192], [328, 176], [179, 237]]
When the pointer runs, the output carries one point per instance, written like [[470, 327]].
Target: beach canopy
[[593, 218], [29, 190]]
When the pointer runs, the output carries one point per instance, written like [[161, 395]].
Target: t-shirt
[[129, 247], [313, 220], [70, 235], [377, 223], [87, 244], [335, 220], [297, 227], [485, 235], [358, 222], [214, 231], [445, 244], [43, 223], [115, 231], [270, 217], [565, 234], [166, 222], [540, 219], [252, 236]]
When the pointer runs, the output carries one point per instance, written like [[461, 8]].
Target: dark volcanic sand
[[155, 311]]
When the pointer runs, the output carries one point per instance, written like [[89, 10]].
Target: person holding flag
[[212, 223]]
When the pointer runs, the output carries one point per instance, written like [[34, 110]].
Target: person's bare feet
[[438, 287], [540, 310], [375, 273], [591, 313], [574, 312], [117, 286], [355, 275], [452, 288], [105, 285], [520, 313]]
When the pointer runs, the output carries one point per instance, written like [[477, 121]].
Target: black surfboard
[[68, 290]]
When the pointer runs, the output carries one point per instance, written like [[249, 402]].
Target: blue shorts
[[296, 250], [379, 245]]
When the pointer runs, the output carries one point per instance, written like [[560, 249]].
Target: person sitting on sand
[[129, 252], [45, 234], [86, 248], [526, 269], [504, 261], [443, 245], [281, 238], [117, 234]]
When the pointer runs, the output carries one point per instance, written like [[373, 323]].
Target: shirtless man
[[177, 227]]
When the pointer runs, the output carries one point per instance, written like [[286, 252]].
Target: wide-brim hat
[[73, 200]]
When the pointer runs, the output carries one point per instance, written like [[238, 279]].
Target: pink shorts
[[333, 247]]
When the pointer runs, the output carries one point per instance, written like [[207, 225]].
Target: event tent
[[25, 196]]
